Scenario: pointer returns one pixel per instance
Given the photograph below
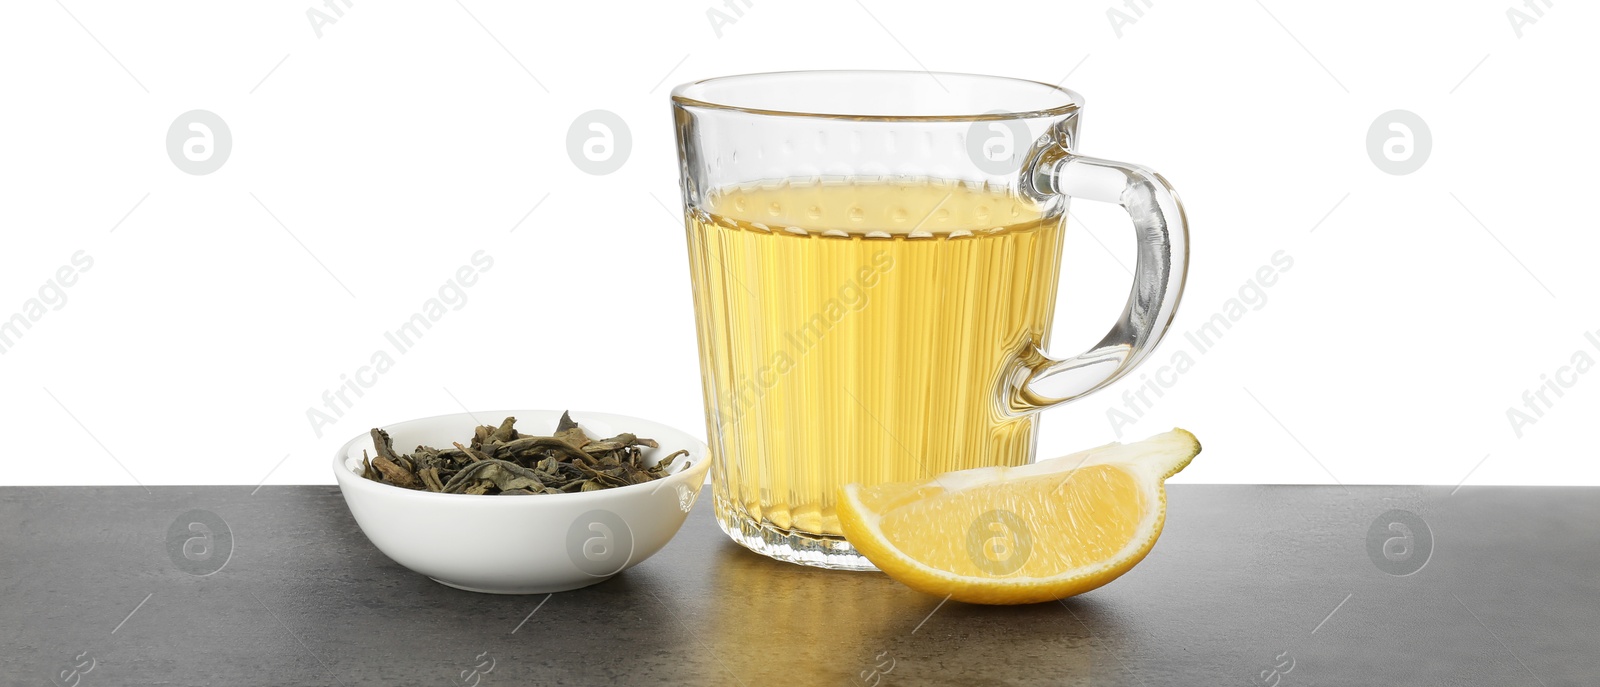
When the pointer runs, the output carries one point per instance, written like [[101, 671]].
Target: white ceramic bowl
[[522, 544]]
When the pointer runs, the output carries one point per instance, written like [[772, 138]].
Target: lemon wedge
[[1038, 532]]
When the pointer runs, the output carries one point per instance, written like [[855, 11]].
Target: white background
[[411, 134]]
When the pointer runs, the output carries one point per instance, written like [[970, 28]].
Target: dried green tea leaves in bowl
[[501, 460]]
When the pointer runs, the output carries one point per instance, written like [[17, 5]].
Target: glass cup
[[874, 257]]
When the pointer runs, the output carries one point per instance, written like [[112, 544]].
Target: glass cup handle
[[1163, 249]]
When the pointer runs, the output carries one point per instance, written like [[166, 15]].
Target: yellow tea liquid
[[859, 332]]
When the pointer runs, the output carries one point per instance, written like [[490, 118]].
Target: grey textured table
[[1246, 581]]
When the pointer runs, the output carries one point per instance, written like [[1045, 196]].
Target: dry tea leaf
[[501, 460]]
